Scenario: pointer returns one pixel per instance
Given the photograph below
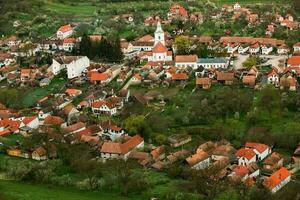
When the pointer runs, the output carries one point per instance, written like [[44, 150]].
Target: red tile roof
[[258, 146], [177, 9], [240, 170], [196, 158], [203, 81], [27, 120], [294, 61], [247, 153], [159, 48], [72, 91], [186, 58], [277, 177], [69, 40], [99, 76], [65, 28], [179, 76], [53, 120]]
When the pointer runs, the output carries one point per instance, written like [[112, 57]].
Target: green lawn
[[25, 191], [36, 93]]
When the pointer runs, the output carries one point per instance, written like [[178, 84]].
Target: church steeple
[[159, 34]]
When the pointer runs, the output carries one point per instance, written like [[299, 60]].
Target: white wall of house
[[75, 68], [243, 50], [254, 50], [68, 46], [283, 183], [262, 155], [274, 80], [282, 51], [245, 161], [212, 65], [63, 35], [202, 164], [186, 64], [105, 109], [296, 48], [56, 67], [266, 50]]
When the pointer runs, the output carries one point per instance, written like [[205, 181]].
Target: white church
[[159, 52]]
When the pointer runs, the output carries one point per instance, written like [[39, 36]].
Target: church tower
[[159, 35]]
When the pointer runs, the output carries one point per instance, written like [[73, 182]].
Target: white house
[[261, 150], [244, 48], [237, 6], [254, 48], [209, 63], [31, 122], [273, 78], [112, 130], [200, 160], [75, 65], [39, 154], [69, 44], [266, 49], [296, 47], [244, 172], [231, 48], [104, 107], [245, 156], [184, 61], [278, 179], [283, 49], [64, 31]]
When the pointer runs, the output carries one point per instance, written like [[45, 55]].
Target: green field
[[24, 191], [32, 95]]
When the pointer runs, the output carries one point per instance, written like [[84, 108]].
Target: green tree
[[250, 62], [182, 45], [136, 124], [269, 100], [85, 46]]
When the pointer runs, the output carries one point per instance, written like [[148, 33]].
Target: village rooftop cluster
[[159, 66]]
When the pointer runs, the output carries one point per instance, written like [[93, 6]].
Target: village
[[72, 96]]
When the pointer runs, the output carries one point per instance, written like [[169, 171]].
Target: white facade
[[55, 67], [237, 6], [104, 109], [245, 161], [254, 50], [296, 48], [75, 68], [160, 57], [186, 64], [242, 50], [209, 63], [282, 50], [202, 164], [232, 48], [273, 80], [62, 35], [266, 50], [68, 46], [263, 155]]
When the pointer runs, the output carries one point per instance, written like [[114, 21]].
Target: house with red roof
[[100, 78], [73, 92], [246, 156], [119, 150], [273, 77], [278, 180], [104, 107], [10, 125], [64, 32], [112, 130], [261, 150], [69, 44], [178, 11], [31, 122], [25, 74], [200, 160], [296, 47], [184, 61], [254, 48], [293, 61], [136, 79], [242, 173], [283, 49]]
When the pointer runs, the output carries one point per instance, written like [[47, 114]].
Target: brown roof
[[274, 158], [74, 127], [119, 148], [249, 80], [157, 152], [225, 76], [203, 81], [40, 151], [53, 120], [196, 158], [186, 58]]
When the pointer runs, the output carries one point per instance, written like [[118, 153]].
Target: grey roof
[[212, 60]]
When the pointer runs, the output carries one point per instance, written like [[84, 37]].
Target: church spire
[[158, 28]]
